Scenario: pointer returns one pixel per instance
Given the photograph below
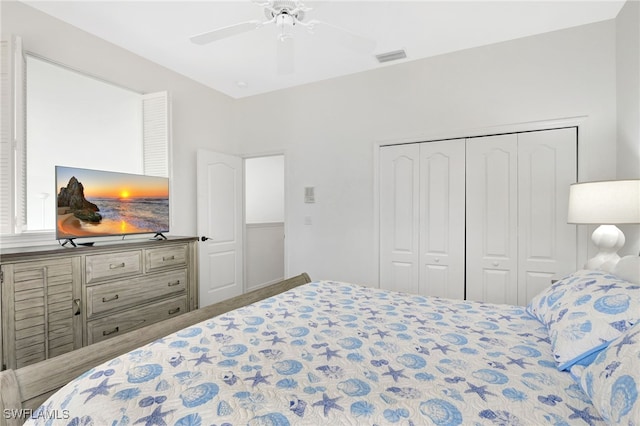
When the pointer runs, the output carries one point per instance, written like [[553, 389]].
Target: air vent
[[391, 56]]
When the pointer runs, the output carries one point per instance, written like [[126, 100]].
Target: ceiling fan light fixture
[[285, 20], [284, 24]]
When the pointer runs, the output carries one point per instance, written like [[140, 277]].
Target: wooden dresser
[[57, 299]]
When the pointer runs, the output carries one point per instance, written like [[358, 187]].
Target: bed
[[330, 352]]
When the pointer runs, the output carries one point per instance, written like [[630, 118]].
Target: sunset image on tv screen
[[99, 203]]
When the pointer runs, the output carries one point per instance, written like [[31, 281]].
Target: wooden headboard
[[28, 387]]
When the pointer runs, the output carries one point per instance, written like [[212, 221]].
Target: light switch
[[309, 194]]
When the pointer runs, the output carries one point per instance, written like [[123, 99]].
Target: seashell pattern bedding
[[341, 354]]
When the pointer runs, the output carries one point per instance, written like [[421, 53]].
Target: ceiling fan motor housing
[[285, 12]]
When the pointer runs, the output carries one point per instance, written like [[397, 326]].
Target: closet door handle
[[496, 263], [76, 302]]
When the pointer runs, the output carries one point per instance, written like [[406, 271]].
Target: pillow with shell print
[[612, 381], [584, 312]]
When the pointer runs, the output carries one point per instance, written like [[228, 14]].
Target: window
[[72, 119], [77, 121]]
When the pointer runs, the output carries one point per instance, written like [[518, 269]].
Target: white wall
[[264, 254], [264, 189], [264, 216], [628, 105], [200, 115], [329, 129]]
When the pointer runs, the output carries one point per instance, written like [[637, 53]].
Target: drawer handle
[[173, 311], [108, 332], [116, 265], [173, 283], [165, 258], [111, 299]]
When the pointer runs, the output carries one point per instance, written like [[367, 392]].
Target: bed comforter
[[335, 353]]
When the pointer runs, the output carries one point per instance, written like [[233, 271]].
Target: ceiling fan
[[286, 15]]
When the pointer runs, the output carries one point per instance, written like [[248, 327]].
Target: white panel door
[[399, 217], [492, 219], [442, 218], [220, 223], [547, 165]]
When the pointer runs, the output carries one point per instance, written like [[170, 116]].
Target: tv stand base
[[73, 244], [70, 241]]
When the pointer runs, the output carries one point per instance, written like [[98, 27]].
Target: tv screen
[[92, 203]]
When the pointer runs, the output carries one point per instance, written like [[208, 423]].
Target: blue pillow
[[612, 381], [585, 311]]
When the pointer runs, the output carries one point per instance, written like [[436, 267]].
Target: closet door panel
[[547, 165], [399, 217], [442, 200], [492, 219]]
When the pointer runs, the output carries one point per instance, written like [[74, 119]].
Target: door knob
[[203, 238], [495, 263]]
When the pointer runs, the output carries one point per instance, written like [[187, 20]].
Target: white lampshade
[[606, 202]]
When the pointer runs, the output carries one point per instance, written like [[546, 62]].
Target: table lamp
[[605, 203]]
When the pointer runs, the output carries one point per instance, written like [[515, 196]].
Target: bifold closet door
[[547, 244], [518, 238], [422, 218], [492, 219], [442, 221], [399, 217]]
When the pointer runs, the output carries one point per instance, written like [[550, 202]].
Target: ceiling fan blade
[[285, 55], [349, 39], [225, 32]]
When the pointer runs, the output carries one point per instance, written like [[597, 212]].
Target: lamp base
[[608, 239]]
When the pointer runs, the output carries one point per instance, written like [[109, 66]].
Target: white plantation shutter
[[12, 138], [6, 144], [156, 134], [20, 81]]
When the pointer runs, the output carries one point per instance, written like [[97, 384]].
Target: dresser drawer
[[112, 265], [133, 291], [164, 257], [120, 323]]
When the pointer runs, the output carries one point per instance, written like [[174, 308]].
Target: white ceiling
[[160, 31]]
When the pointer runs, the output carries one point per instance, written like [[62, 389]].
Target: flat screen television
[[96, 203]]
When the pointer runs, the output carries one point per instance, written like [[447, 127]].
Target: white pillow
[[628, 268], [612, 381], [584, 312]]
